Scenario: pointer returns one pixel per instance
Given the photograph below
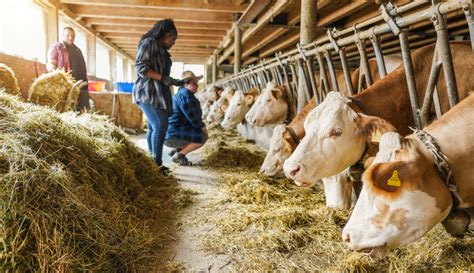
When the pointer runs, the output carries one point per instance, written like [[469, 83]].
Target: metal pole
[[214, 67], [445, 56], [378, 56], [312, 79], [469, 12], [322, 76], [303, 86], [364, 62], [347, 72], [332, 72], [410, 75]]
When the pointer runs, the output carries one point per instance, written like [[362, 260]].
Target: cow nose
[[294, 170], [254, 121], [347, 238]]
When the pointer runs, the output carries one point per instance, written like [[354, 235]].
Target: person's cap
[[189, 75]]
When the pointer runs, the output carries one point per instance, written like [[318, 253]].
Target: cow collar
[[441, 163], [293, 135]]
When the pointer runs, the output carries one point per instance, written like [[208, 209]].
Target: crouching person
[[186, 130]]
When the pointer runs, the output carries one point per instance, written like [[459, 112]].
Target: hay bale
[[126, 114], [52, 89], [8, 80], [77, 195]]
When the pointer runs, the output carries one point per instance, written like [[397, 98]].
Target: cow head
[[281, 147], [336, 137], [402, 198], [271, 108], [218, 108], [239, 105]]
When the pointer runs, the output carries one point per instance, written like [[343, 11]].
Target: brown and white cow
[[207, 97], [239, 105], [404, 196], [218, 108], [270, 108], [338, 130]]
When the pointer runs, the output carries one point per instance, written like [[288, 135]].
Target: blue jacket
[[185, 122]]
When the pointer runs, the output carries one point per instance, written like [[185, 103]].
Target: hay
[[267, 224], [8, 80], [77, 195], [52, 89]]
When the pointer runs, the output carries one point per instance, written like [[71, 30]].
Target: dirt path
[[192, 227]]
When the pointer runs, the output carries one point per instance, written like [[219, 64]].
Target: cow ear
[[219, 92], [388, 176], [249, 99], [276, 93], [371, 126], [224, 107]]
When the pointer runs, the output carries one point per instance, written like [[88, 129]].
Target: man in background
[[67, 56]]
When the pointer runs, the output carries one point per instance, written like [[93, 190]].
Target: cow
[[404, 195], [285, 138], [270, 108], [239, 105], [339, 130], [217, 110], [207, 97]]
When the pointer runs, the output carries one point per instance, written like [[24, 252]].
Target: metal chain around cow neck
[[440, 162]]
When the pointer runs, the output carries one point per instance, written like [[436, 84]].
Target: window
[[130, 71], [14, 27], [102, 61], [119, 64]]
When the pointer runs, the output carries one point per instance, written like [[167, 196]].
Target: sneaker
[[173, 152], [164, 170], [181, 160]]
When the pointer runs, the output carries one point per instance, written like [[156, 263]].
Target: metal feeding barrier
[[283, 68]]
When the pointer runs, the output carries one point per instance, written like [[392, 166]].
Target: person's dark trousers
[[156, 130]]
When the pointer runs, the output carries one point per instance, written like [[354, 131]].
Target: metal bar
[[378, 56], [444, 54], [294, 79], [432, 80], [312, 79], [410, 76], [469, 12], [332, 72], [322, 75], [364, 62], [444, 7], [347, 72], [305, 95]]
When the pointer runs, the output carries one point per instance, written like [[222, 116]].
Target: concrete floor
[[187, 250]]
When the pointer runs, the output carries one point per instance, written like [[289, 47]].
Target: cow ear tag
[[394, 180]]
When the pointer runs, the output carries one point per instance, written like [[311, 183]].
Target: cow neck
[[386, 99], [293, 135]]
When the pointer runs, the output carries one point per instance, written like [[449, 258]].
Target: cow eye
[[238, 104], [335, 132]]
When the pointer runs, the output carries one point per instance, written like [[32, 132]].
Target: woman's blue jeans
[[156, 130]]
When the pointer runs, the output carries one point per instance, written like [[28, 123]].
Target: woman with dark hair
[[152, 88]]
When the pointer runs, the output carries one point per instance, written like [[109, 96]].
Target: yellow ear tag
[[376, 136], [394, 180]]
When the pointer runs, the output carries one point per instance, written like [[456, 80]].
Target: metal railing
[[283, 67]]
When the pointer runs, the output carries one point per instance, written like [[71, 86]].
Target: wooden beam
[[180, 39], [146, 13], [142, 30], [343, 12], [287, 40], [134, 41], [252, 11], [92, 21], [163, 5]]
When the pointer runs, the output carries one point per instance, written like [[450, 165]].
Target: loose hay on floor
[[8, 80], [77, 195], [52, 89], [268, 224]]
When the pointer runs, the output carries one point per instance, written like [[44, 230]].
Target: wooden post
[[113, 65], [206, 74], [214, 67], [91, 45], [238, 49], [307, 35], [51, 25]]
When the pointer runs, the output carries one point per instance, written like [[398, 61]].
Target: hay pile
[[8, 80], [52, 89], [77, 195], [268, 224]]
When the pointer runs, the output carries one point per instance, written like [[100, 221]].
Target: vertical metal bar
[[364, 62], [305, 92], [378, 56], [312, 79], [347, 72], [432, 80], [468, 9], [322, 74], [444, 54], [294, 79], [332, 72], [410, 76]]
